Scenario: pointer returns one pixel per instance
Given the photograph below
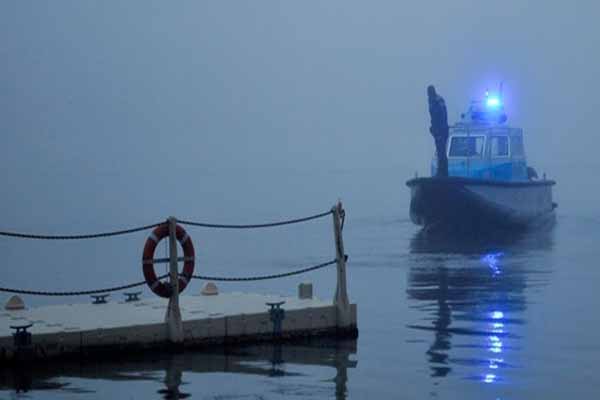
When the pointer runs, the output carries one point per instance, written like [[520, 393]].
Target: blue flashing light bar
[[492, 102]]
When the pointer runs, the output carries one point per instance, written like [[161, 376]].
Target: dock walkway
[[225, 318]]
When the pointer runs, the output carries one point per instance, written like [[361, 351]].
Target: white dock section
[[171, 319], [224, 318]]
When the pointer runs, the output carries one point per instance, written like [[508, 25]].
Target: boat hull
[[479, 204]]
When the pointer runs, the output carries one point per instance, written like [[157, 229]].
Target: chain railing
[[146, 227]]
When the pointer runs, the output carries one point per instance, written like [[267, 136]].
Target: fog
[[122, 113]]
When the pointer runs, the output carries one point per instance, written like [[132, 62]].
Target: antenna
[[500, 89]]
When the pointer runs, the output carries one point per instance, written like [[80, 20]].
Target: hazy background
[[122, 113]]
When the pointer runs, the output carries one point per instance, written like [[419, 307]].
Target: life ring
[[160, 232]]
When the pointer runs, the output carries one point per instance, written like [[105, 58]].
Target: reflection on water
[[170, 370], [173, 380], [444, 242], [471, 294]]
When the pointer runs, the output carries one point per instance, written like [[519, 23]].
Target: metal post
[[173, 317], [341, 302]]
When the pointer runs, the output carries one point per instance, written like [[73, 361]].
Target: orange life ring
[[159, 233]]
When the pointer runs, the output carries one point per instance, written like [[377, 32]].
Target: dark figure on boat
[[439, 128]]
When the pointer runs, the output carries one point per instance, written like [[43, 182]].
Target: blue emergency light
[[492, 102]]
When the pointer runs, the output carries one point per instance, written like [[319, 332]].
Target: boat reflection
[[471, 294], [269, 360], [442, 241]]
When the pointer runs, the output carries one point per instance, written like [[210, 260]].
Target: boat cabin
[[482, 146]]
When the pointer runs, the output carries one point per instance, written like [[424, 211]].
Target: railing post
[[341, 302], [173, 317]]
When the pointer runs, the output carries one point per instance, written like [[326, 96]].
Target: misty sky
[[118, 113]]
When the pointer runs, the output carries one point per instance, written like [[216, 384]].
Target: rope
[[255, 226], [78, 293], [266, 277], [78, 237], [146, 227], [207, 278]]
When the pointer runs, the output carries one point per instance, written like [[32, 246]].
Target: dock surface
[[226, 317]]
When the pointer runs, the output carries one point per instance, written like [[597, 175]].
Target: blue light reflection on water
[[497, 315], [495, 345], [492, 260], [496, 326]]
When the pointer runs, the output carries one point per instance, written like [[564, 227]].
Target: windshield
[[466, 146], [499, 146]]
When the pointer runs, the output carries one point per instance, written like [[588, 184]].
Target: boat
[[489, 184]]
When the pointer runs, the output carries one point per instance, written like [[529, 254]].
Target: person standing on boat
[[439, 128]]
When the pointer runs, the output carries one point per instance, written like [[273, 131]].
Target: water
[[491, 317]]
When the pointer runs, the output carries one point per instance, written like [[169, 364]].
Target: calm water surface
[[491, 317]]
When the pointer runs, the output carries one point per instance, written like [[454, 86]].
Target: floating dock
[[227, 318], [170, 319]]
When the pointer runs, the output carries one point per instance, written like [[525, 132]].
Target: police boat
[[489, 184]]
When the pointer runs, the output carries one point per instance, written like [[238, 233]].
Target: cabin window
[[499, 146], [466, 146], [516, 146]]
